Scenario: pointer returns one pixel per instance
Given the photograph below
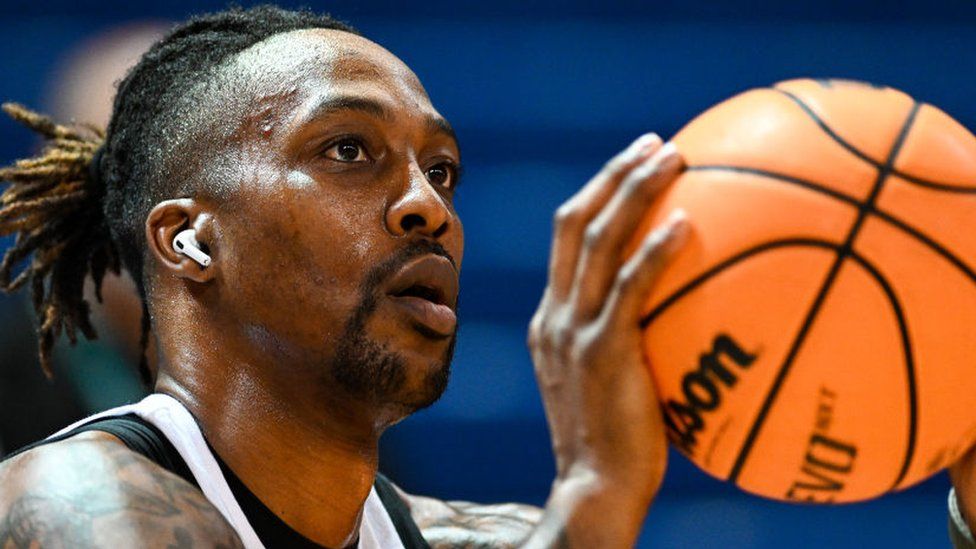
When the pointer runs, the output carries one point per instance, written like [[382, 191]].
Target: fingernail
[[643, 144], [671, 232], [667, 150], [665, 159], [676, 221]]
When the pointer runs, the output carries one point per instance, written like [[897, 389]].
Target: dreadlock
[[55, 209], [78, 208]]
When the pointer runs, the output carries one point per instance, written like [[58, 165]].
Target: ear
[[165, 221]]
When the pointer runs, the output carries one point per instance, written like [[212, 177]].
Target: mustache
[[423, 247], [391, 265]]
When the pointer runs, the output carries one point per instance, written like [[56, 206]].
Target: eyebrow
[[341, 103]]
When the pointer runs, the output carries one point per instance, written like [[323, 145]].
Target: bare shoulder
[[92, 491], [471, 525]]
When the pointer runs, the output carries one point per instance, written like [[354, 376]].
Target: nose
[[419, 208]]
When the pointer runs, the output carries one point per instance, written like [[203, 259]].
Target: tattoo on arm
[[97, 494], [460, 524]]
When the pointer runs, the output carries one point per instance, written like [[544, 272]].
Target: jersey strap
[[137, 434], [400, 515], [145, 439]]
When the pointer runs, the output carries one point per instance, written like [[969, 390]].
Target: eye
[[443, 174], [347, 150]]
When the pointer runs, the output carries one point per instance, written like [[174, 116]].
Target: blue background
[[541, 94]]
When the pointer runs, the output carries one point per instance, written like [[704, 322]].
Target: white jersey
[[170, 416]]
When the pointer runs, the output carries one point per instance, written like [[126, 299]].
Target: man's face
[[339, 245]]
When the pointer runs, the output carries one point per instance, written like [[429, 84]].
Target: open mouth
[[423, 292]]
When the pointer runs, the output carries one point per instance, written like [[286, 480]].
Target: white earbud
[[186, 243]]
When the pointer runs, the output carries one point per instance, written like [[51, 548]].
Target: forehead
[[305, 65]]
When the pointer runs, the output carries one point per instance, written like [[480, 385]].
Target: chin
[[400, 376], [424, 385]]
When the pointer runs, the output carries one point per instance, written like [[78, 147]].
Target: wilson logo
[[702, 388]]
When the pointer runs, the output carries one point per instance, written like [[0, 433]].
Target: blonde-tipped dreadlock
[[54, 206], [75, 220]]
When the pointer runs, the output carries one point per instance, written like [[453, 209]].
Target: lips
[[425, 290]]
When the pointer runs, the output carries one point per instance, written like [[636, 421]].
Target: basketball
[[815, 340]]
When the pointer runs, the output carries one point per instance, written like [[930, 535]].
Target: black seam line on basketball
[[828, 130], [650, 317], [934, 185], [928, 241], [784, 368], [906, 345], [883, 172], [922, 182], [883, 215], [816, 187], [845, 250]]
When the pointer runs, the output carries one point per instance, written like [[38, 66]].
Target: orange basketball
[[816, 339]]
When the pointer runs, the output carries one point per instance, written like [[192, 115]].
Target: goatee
[[367, 369]]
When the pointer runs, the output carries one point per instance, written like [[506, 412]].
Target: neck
[[310, 458]]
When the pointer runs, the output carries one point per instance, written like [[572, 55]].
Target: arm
[[92, 491], [606, 426], [453, 524], [462, 524]]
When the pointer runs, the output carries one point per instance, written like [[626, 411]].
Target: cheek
[[458, 243], [293, 271]]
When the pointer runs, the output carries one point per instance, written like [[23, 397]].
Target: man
[[313, 171]]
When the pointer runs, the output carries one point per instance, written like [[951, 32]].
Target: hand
[[606, 425]]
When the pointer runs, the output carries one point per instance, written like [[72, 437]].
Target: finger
[[607, 235], [635, 279], [572, 217]]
